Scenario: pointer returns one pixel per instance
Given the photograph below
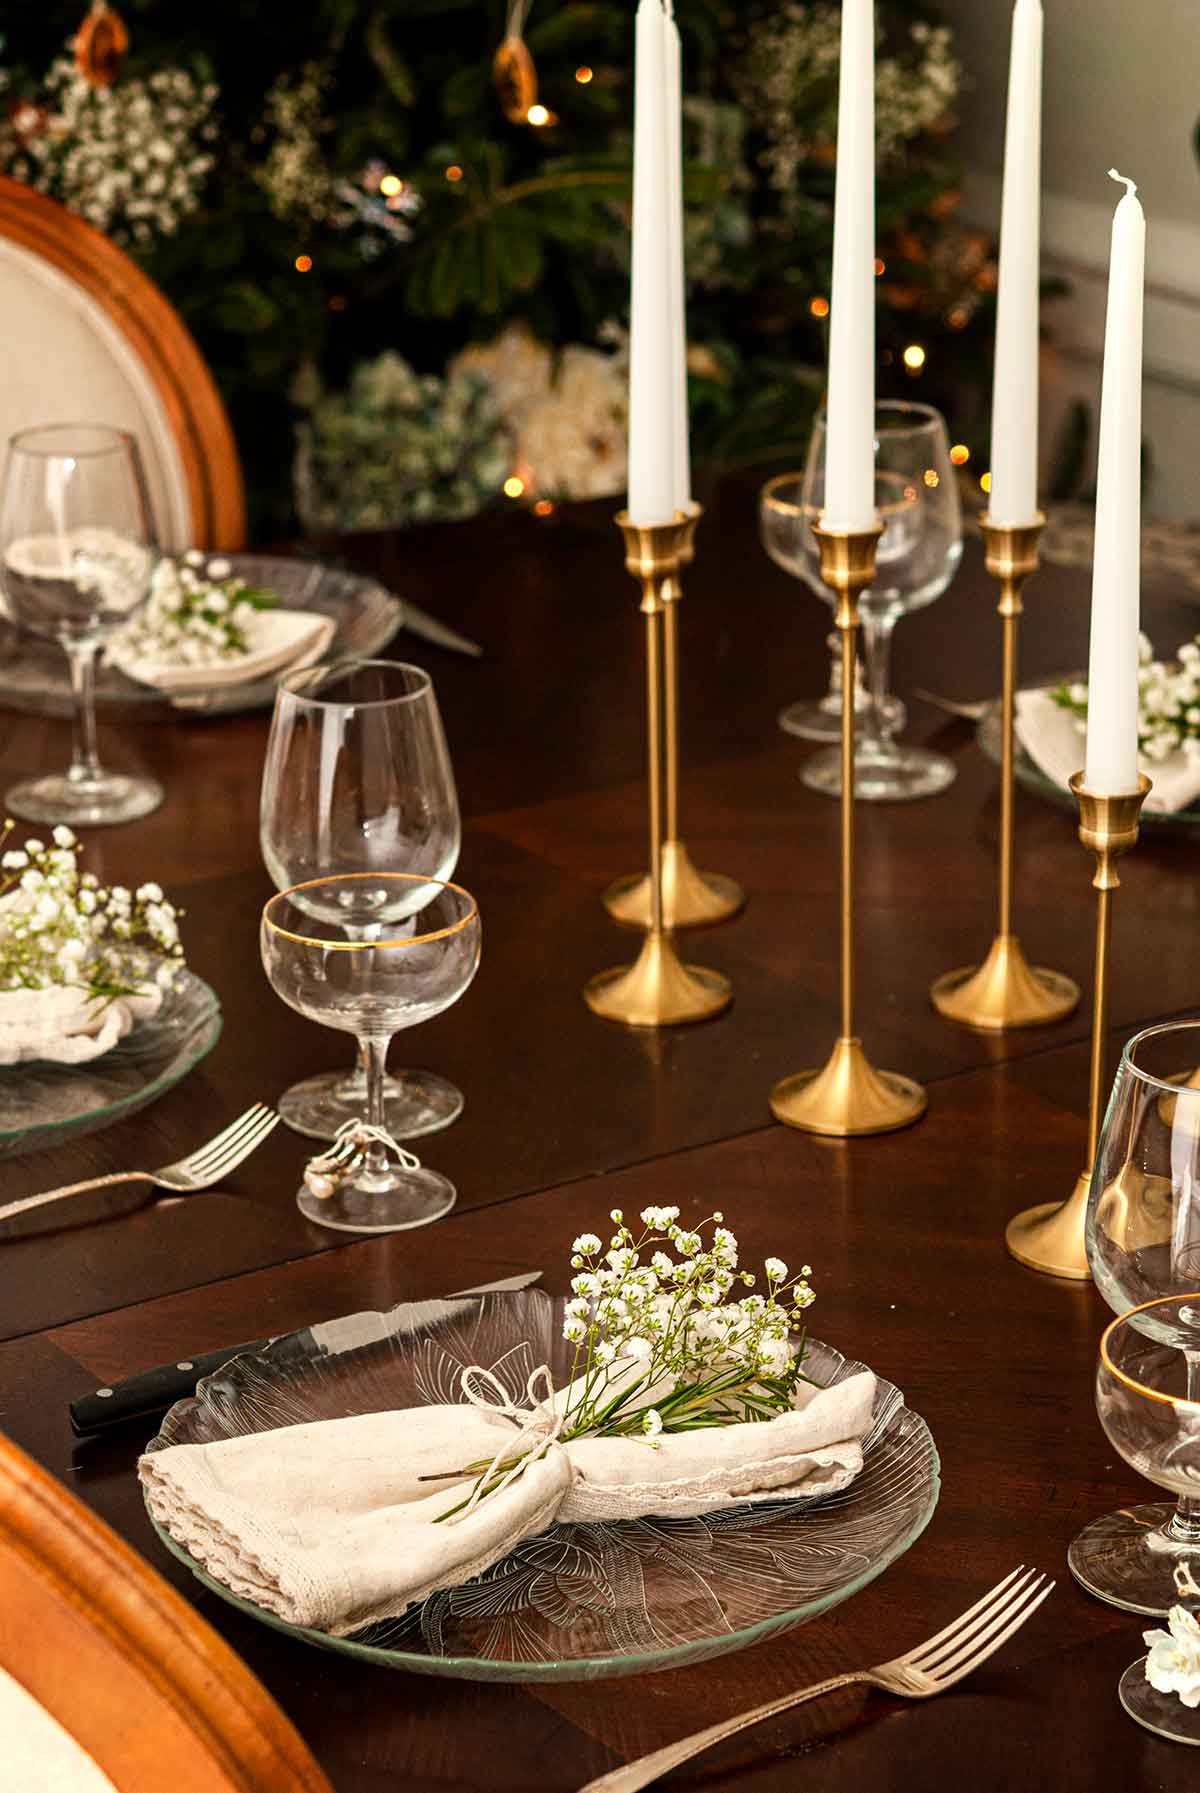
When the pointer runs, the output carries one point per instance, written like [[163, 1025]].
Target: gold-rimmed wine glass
[[422, 953]]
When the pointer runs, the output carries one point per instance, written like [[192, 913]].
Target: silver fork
[[201, 1169], [930, 1668], [969, 711]]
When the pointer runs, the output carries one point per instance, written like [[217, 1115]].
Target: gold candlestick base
[[848, 1096], [690, 899], [1005, 991], [1050, 1237], [658, 989]]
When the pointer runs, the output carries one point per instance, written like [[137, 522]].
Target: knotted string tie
[[323, 1173], [538, 1421]]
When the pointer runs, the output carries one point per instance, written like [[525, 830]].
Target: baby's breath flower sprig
[[199, 610], [663, 1341], [61, 926], [1168, 701]]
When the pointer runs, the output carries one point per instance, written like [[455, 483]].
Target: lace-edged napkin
[[276, 639], [67, 1026], [338, 1523], [1052, 738]]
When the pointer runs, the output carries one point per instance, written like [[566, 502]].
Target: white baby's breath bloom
[[587, 1244], [652, 1423], [639, 1349], [585, 1283], [776, 1270], [63, 836], [574, 1329]]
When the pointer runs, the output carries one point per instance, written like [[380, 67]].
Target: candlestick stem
[[690, 898], [847, 1096], [1052, 1236], [1005, 990], [658, 989]]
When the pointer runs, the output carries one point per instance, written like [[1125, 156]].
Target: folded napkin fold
[[1053, 738], [277, 639], [331, 1525], [68, 1026]]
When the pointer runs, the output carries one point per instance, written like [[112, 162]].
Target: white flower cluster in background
[[199, 611], [131, 158], [295, 175], [60, 926], [1168, 702]]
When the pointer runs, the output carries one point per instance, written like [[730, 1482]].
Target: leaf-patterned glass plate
[[33, 673], [43, 1104], [580, 1602]]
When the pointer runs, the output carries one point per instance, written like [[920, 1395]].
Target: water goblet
[[1146, 1398], [1143, 1246], [358, 777], [422, 954], [77, 551], [916, 495]]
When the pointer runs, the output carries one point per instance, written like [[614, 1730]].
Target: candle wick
[[1130, 185]]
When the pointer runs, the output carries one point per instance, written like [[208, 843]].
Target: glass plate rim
[[210, 1034], [575, 1668]]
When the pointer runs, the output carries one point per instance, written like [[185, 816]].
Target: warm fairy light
[[454, 172], [914, 356], [391, 184], [931, 478], [960, 454], [958, 317], [880, 266], [543, 507], [985, 484], [583, 75], [514, 486], [337, 301], [819, 307], [303, 263], [538, 115]]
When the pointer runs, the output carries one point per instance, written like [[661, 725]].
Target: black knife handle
[[151, 1393]]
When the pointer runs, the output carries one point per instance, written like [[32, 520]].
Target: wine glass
[[916, 495], [1146, 1400], [369, 954], [77, 551], [1143, 1245], [357, 779]]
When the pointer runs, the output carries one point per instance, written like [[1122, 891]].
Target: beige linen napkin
[[68, 1026], [278, 639], [1054, 739], [329, 1526]]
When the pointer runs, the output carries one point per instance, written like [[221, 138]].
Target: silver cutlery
[[201, 1169], [930, 1668], [440, 634], [969, 712]]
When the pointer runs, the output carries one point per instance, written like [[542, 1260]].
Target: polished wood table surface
[[567, 1116]]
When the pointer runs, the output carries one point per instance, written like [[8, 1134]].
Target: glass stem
[[374, 1050], [877, 652], [85, 763], [1184, 1524]]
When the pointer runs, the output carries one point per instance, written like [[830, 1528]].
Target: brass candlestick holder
[[1051, 1237], [1006, 991], [690, 898], [658, 989], [847, 1096]]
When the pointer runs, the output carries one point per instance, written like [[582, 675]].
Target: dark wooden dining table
[[568, 1116]]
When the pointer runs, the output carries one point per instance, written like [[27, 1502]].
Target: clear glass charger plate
[[580, 1602], [1033, 778], [43, 1104], [34, 677]]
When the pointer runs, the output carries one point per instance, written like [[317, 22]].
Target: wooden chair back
[[125, 1665]]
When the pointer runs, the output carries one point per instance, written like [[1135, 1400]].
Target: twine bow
[[538, 1420], [347, 1154]]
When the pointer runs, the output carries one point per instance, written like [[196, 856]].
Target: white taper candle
[[651, 379], [1013, 498], [680, 444], [1111, 761]]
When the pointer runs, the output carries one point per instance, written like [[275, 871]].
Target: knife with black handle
[[149, 1393]]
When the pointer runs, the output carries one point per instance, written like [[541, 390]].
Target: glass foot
[[1127, 1558], [391, 1203], [1164, 1713], [896, 777], [811, 721], [415, 1102], [84, 802]]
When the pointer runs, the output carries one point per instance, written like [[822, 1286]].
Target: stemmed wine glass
[[370, 954], [77, 551], [358, 779], [1143, 1245], [1146, 1400], [916, 495]]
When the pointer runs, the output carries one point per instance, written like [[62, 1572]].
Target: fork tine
[[988, 1644], [236, 1150], [200, 1159], [955, 1625], [966, 1636]]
